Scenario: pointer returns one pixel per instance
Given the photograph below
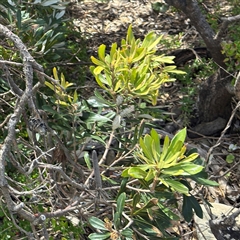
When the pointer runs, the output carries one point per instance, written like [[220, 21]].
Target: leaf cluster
[[133, 69]]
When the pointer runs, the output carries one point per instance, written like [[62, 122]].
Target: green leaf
[[100, 99], [135, 201], [177, 186], [75, 97], [148, 228], [48, 84], [98, 62], [190, 158], [49, 2], [94, 117], [164, 59], [166, 144], [180, 136], [121, 203], [98, 236], [167, 211], [190, 203], [101, 52], [191, 168], [130, 36], [113, 50], [96, 102], [202, 178], [145, 145], [117, 220], [156, 140], [127, 233], [184, 169], [98, 138], [230, 158], [136, 172], [97, 223], [150, 203], [122, 186], [177, 142], [150, 175], [87, 160], [97, 70]]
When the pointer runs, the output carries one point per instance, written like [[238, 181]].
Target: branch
[[26, 97], [198, 20], [225, 23]]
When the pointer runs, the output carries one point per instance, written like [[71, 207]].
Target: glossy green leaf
[[128, 233], [98, 236], [50, 85], [121, 203], [149, 229], [87, 160], [122, 186], [190, 158], [113, 50], [150, 174], [156, 140], [171, 160], [146, 147], [97, 103], [168, 212], [140, 55], [49, 2], [190, 204], [101, 52], [97, 70], [174, 171], [94, 117], [166, 144], [201, 178], [117, 220], [177, 186], [136, 172], [130, 36], [164, 59], [97, 223], [184, 169], [75, 97], [191, 168], [97, 62], [177, 142], [101, 99], [135, 201]]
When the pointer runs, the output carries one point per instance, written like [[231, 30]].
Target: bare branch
[[226, 21]]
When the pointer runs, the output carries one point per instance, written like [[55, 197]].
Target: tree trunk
[[214, 99], [198, 20]]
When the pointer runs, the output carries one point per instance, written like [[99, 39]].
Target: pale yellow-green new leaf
[[101, 52], [49, 85], [98, 62], [75, 97], [55, 74], [97, 70]]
